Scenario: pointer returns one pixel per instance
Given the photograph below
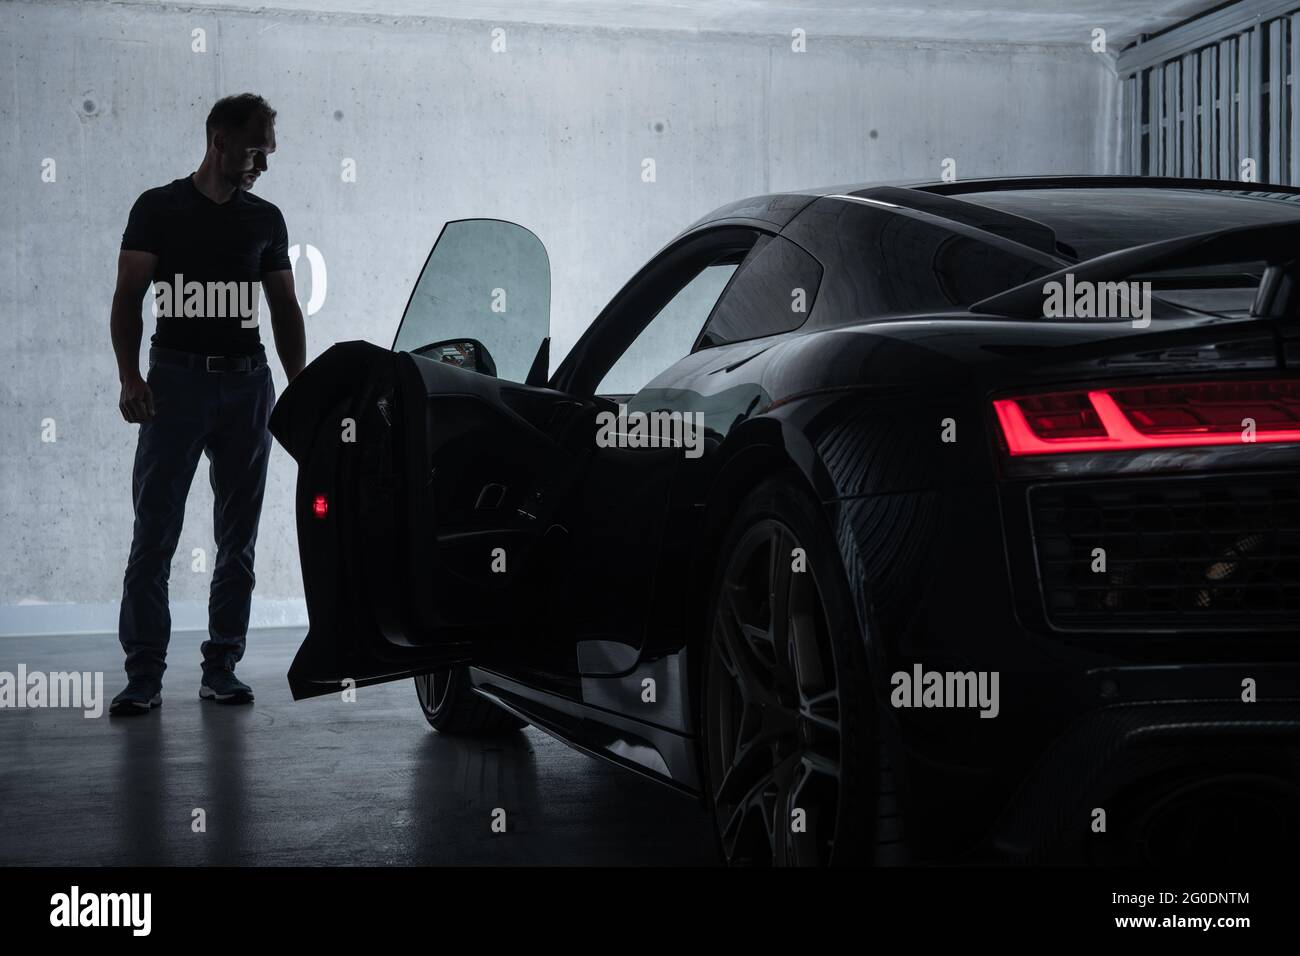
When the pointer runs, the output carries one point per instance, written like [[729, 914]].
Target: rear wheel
[[451, 706], [793, 773]]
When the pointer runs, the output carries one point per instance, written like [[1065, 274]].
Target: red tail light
[[320, 506], [1151, 416]]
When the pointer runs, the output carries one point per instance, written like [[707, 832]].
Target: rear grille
[[1191, 552]]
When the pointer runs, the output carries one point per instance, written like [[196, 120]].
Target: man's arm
[[134, 273], [286, 321]]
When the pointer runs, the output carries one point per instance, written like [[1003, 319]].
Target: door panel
[[414, 473], [489, 466], [438, 515], [332, 420]]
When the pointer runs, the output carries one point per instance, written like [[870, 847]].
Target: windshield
[[486, 280]]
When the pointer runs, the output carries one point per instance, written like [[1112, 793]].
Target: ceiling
[[984, 21]]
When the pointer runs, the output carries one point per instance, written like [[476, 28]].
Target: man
[[205, 242]]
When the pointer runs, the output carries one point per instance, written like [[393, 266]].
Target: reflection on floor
[[320, 782]]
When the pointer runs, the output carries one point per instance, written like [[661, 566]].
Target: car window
[[912, 265], [670, 334], [486, 281], [897, 261], [773, 293]]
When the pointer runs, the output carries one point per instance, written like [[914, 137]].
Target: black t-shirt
[[220, 250]]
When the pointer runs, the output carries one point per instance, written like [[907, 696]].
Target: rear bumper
[[1161, 783], [1151, 728]]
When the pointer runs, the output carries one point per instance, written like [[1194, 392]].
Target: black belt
[[208, 363]]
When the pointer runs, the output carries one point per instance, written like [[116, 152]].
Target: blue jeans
[[223, 414]]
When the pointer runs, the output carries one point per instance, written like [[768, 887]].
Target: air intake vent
[[1205, 552]]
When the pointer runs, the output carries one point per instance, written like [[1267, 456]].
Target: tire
[[451, 706], [786, 714]]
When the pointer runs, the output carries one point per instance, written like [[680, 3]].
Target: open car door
[[428, 480]]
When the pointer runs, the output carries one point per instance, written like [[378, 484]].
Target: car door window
[[773, 293], [487, 281], [671, 333]]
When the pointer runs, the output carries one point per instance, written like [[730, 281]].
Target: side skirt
[[662, 755]]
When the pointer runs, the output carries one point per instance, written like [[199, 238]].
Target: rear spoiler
[[1278, 245]]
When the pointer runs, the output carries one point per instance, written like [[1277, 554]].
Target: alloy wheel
[[773, 717]]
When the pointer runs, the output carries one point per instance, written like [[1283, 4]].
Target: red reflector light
[[1158, 416], [320, 506]]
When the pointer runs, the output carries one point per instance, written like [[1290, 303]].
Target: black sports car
[[953, 521]]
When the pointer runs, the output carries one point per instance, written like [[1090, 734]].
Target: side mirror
[[466, 353]]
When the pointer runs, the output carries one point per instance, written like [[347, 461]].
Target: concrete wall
[[550, 133]]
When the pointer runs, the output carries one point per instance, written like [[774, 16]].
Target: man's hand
[[136, 403], [135, 270], [286, 321]]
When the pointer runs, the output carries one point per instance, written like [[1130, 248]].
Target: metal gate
[[1214, 98]]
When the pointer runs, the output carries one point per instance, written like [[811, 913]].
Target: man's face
[[244, 152]]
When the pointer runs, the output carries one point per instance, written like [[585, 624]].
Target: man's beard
[[239, 180]]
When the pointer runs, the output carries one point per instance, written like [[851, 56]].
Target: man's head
[[241, 134]]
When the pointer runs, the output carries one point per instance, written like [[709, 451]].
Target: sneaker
[[140, 697], [225, 688]]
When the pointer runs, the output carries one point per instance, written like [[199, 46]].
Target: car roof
[[1078, 216]]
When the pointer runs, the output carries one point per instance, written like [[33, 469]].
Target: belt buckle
[[207, 361]]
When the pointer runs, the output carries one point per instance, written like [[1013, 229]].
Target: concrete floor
[[318, 782]]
